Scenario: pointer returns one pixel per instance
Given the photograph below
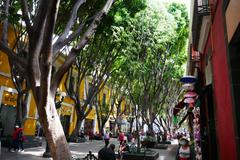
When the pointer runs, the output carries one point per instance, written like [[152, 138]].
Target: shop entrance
[[7, 119], [8, 102]]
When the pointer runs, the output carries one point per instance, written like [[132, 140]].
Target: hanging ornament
[[188, 86], [191, 94], [188, 79], [189, 100]]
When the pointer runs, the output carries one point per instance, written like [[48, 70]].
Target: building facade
[[215, 59]]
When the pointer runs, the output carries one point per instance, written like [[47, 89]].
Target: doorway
[[234, 59], [7, 119], [88, 125]]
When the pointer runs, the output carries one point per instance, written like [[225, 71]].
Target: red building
[[215, 59]]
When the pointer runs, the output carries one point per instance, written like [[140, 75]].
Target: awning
[[178, 107]]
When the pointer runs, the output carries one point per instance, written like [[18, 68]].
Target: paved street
[[79, 150]]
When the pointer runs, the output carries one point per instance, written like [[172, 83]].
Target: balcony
[[201, 9]]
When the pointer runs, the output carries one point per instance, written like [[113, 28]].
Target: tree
[[117, 83], [106, 44], [40, 19], [157, 37], [22, 87], [164, 114], [98, 68], [103, 110]]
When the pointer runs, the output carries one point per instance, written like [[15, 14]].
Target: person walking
[[184, 152], [14, 144], [106, 138], [21, 138], [123, 148], [121, 137], [129, 137]]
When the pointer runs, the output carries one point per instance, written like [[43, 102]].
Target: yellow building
[[8, 102]]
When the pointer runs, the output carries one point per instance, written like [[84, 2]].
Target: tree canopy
[[152, 60]]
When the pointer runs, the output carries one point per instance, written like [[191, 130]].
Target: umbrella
[[188, 79], [189, 100], [190, 95]]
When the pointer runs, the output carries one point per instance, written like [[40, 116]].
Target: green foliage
[[143, 43], [153, 52]]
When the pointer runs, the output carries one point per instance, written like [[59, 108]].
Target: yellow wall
[[123, 105], [82, 89], [4, 64], [91, 115], [30, 123], [29, 127], [74, 121]]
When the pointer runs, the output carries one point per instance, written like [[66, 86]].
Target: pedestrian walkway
[[169, 153], [78, 150]]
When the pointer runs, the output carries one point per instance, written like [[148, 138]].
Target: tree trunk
[[19, 114], [131, 125], [114, 127], [47, 153], [150, 128], [21, 108], [101, 129], [53, 130], [138, 137], [75, 132]]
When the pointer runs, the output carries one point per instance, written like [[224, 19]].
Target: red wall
[[222, 94]]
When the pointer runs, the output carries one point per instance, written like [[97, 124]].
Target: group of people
[[108, 153], [17, 140]]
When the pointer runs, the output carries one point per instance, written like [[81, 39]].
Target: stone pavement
[[79, 150]]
